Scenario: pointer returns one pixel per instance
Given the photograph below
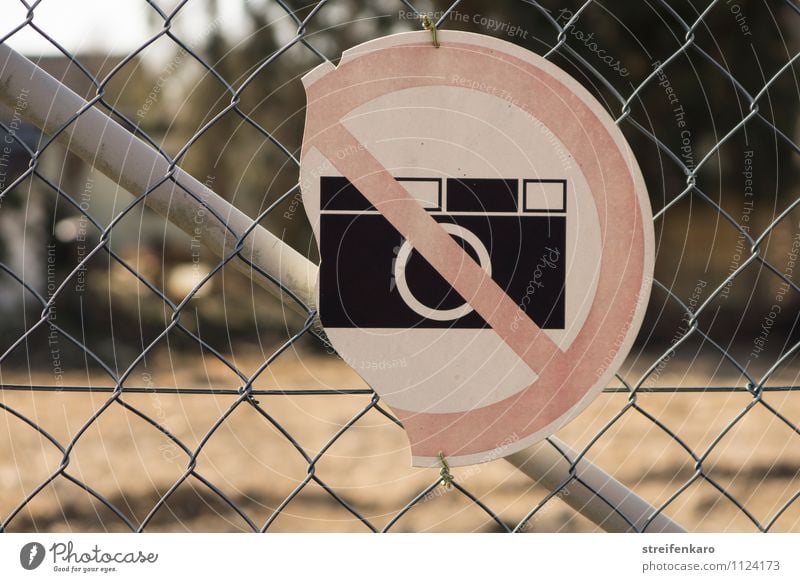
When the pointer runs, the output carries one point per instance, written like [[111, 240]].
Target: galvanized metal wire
[[120, 384]]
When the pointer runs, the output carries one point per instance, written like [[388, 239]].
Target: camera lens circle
[[417, 306]]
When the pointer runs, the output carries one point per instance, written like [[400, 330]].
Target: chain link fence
[[147, 385]]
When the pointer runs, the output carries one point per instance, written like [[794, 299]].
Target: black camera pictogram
[[371, 278]]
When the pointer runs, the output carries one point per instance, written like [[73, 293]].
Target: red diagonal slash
[[436, 245]]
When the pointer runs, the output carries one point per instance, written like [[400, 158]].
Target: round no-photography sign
[[485, 237]]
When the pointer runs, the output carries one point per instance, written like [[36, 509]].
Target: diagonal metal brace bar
[[138, 168]]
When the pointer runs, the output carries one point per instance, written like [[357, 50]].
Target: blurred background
[[700, 434]]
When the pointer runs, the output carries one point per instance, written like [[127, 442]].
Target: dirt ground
[[132, 464]]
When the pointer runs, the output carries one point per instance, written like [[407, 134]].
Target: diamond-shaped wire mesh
[[148, 386]]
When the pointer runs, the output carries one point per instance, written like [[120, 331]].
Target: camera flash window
[[544, 196]]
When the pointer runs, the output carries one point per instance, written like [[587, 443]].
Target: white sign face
[[485, 237]]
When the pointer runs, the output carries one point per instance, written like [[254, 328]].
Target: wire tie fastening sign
[[428, 24], [444, 473]]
